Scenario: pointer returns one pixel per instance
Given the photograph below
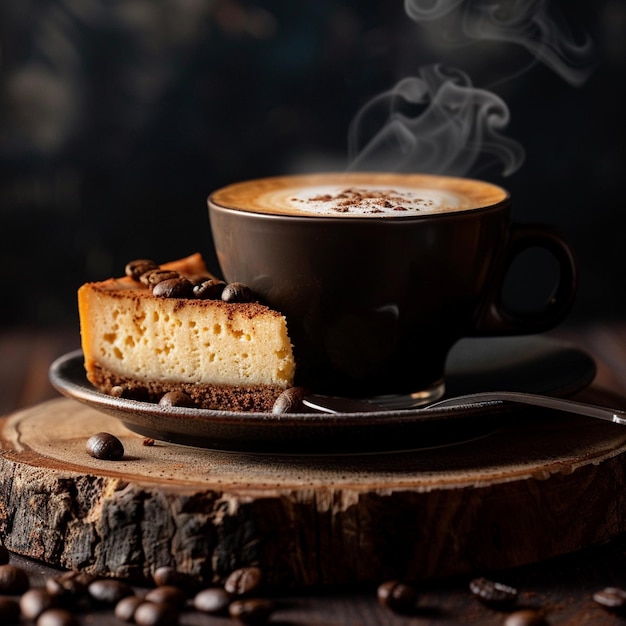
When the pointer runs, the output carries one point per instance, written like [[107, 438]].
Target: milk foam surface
[[376, 201]]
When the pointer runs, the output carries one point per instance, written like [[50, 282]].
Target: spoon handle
[[559, 404]]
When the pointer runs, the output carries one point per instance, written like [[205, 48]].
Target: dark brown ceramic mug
[[380, 274]]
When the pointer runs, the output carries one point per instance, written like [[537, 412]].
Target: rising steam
[[533, 24], [436, 123]]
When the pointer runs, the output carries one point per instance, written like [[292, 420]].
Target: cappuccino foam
[[369, 195]]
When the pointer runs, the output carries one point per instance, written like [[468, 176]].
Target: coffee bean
[[526, 617], [13, 580], [398, 596], [168, 575], [4, 554], [290, 400], [126, 607], [244, 581], [9, 611], [176, 398], [69, 586], [167, 594], [105, 446], [213, 600], [109, 590], [251, 610], [155, 276], [173, 288], [136, 268], [209, 290], [611, 598], [237, 292], [35, 601], [57, 617], [493, 593], [152, 614]]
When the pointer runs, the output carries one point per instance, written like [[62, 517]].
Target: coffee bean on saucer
[[611, 598], [105, 446], [173, 288], [213, 600], [237, 292], [157, 275], [109, 590], [525, 617], [209, 289], [176, 398], [251, 610], [244, 581], [13, 579], [153, 614], [136, 268], [9, 611], [57, 617], [290, 400], [397, 596], [493, 593], [35, 601]]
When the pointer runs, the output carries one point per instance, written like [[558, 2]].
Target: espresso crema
[[369, 195]]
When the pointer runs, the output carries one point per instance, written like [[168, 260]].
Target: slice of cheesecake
[[146, 336]]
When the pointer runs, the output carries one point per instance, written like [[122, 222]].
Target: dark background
[[119, 117]]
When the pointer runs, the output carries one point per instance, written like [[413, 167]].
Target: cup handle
[[498, 319]]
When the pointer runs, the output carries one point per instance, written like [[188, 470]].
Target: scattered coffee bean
[[290, 400], [397, 596], [152, 614], [167, 594], [493, 593], [136, 268], [109, 590], [105, 446], [210, 289], [611, 598], [244, 581], [9, 611], [69, 586], [167, 575], [237, 292], [251, 610], [13, 580], [525, 617], [173, 288], [155, 276], [35, 601], [176, 398], [148, 441], [126, 607], [213, 601], [4, 554], [57, 617]]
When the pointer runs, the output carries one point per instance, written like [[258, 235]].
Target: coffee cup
[[380, 274]]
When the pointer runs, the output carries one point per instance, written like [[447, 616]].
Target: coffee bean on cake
[[136, 268], [209, 289], [178, 287], [155, 276], [105, 446], [237, 292]]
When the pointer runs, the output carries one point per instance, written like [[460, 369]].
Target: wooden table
[[562, 587]]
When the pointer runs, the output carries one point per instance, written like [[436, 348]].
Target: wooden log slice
[[541, 486]]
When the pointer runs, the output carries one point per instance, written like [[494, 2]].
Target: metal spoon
[[331, 404]]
